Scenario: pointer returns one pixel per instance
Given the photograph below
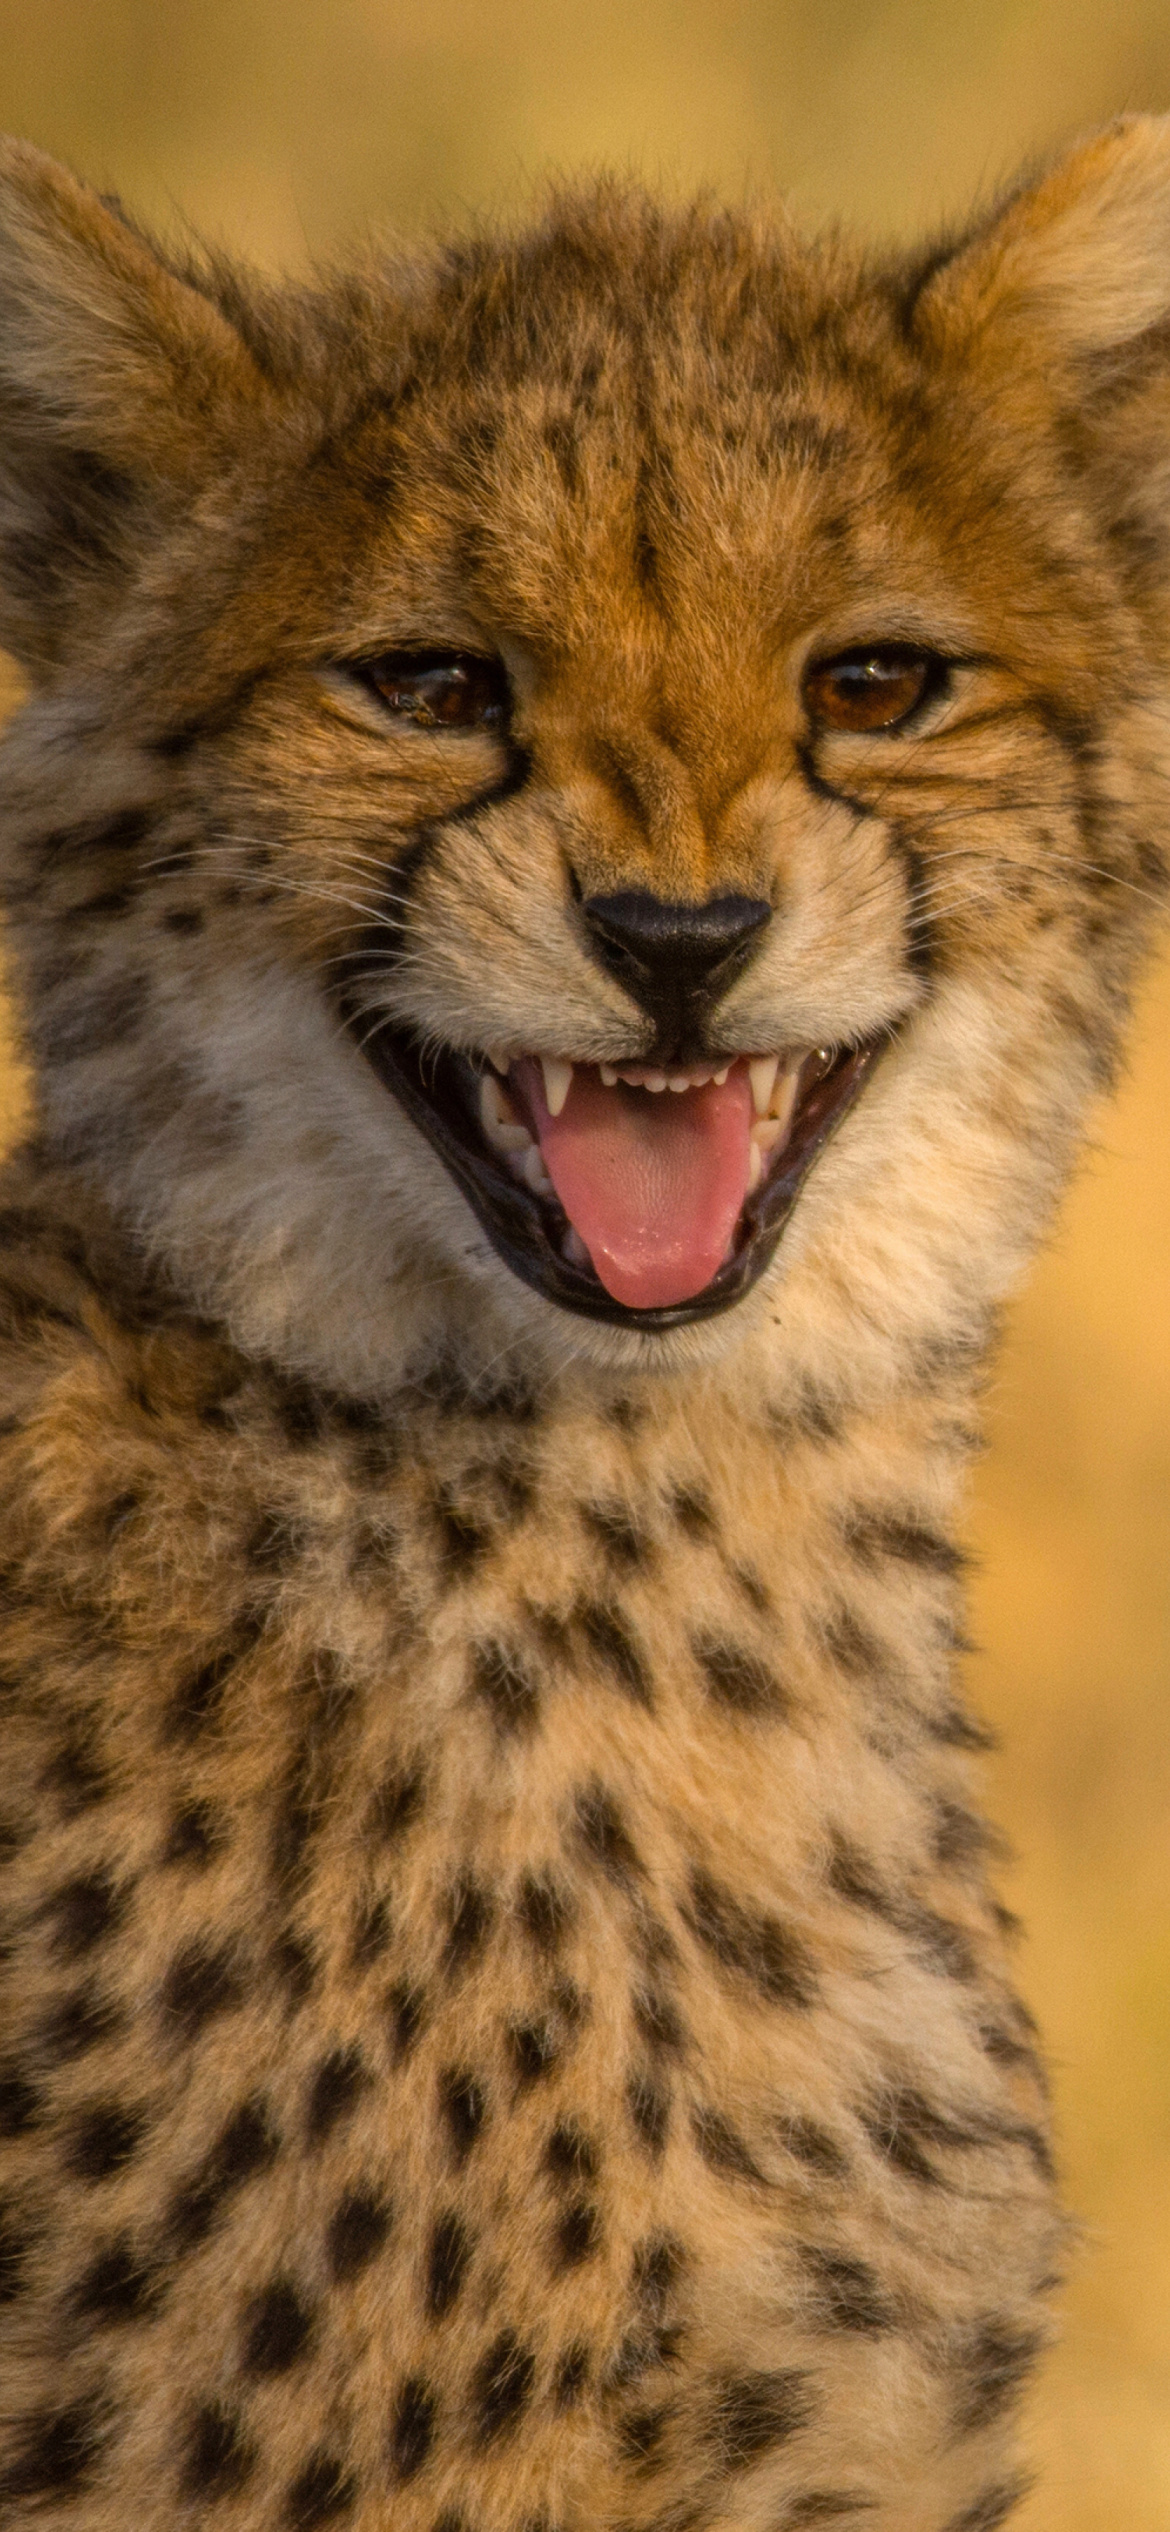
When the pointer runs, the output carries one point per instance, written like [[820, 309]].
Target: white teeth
[[767, 1134], [720, 1078], [755, 1166], [534, 1173], [498, 1056], [558, 1079], [762, 1073], [573, 1248], [654, 1081], [608, 1076], [498, 1119], [783, 1098], [681, 1081]]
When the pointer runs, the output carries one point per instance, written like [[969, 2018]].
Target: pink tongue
[[652, 1180]]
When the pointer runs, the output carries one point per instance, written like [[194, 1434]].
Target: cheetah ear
[[1075, 265], [119, 385]]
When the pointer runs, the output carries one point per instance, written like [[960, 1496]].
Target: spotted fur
[[507, 2023]]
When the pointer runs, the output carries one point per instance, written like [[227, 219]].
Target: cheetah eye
[[872, 689], [439, 690]]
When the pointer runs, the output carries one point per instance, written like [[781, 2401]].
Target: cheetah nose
[[674, 960]]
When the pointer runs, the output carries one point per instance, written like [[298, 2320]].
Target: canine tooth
[[499, 1122], [498, 1056], [558, 1081], [573, 1248], [534, 1173], [783, 1098], [608, 1074], [767, 1133], [755, 1166], [762, 1076]]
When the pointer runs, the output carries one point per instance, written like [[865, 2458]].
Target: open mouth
[[645, 1198]]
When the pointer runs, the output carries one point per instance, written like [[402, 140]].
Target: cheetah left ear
[[1076, 264]]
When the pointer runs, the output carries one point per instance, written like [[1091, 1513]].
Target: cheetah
[[588, 809]]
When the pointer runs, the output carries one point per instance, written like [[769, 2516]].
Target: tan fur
[[508, 2026]]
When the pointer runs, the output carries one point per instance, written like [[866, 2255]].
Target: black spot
[[413, 2430], [244, 2148], [20, 2102], [649, 2107], [753, 2413], [14, 2250], [76, 1774], [611, 1643], [197, 1829], [874, 1535], [534, 2048], [739, 1680], [855, 1651], [640, 2434], [604, 1835], [218, 2458], [198, 1700], [84, 1911], [397, 1803], [508, 1688], [199, 1984], [942, 1946], [277, 2329], [502, 2387], [406, 2010], [117, 2286], [463, 2105], [960, 1836], [275, 1542], [183, 919], [544, 1910], [991, 2509], [825, 2505], [957, 1730], [658, 2020], [470, 1912], [693, 1510], [722, 2147], [104, 2139], [295, 1966], [991, 2369], [892, 2129], [358, 2228], [300, 1413], [811, 2145], [59, 2448], [339, 2081], [319, 2493], [447, 2262], [571, 2376], [751, 1943], [657, 2266], [371, 1934], [578, 2234], [77, 2023], [570, 2154], [625, 1542], [849, 2295]]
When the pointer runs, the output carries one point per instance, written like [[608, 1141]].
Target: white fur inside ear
[[1084, 255]]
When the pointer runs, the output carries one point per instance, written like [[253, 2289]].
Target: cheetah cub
[[589, 807]]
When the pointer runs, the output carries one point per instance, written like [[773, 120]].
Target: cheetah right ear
[[1075, 265], [121, 388]]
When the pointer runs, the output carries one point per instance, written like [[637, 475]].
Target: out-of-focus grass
[[278, 127]]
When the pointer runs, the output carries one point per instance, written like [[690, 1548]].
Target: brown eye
[[871, 690], [440, 690]]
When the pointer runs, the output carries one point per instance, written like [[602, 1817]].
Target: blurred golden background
[[280, 126]]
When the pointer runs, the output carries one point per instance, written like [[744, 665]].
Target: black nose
[[675, 960]]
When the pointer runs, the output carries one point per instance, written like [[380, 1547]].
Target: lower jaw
[[526, 1230]]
